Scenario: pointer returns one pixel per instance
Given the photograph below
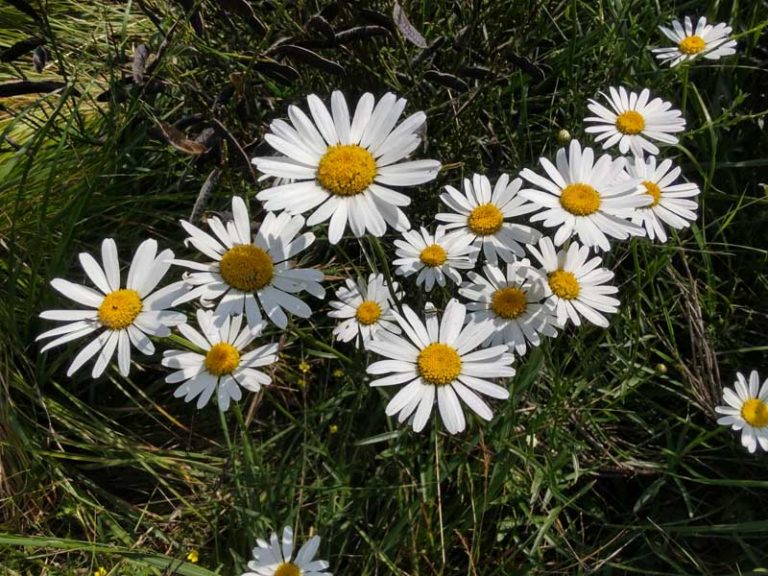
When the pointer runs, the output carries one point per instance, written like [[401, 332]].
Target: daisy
[[222, 365], [747, 410], [633, 121], [516, 304], [365, 308], [479, 215], [342, 169], [437, 360], [669, 205], [711, 42], [591, 199], [575, 286], [272, 559], [245, 270], [433, 257], [125, 316]]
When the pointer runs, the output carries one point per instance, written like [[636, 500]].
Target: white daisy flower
[[433, 257], [480, 215], [711, 42], [365, 308], [244, 269], [747, 410], [274, 559], [516, 304], [669, 201], [437, 359], [126, 315], [342, 168], [222, 366], [633, 121], [575, 286], [591, 199]]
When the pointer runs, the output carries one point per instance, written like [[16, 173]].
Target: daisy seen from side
[[251, 274], [633, 120], [275, 558], [222, 365], [343, 167], [576, 285], [673, 205], [124, 317], [364, 308], [481, 215], [433, 257], [705, 40], [438, 360], [515, 303], [746, 409], [593, 200]]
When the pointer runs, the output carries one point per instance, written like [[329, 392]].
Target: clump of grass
[[605, 459]]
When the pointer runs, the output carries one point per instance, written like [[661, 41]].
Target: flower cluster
[[349, 170]]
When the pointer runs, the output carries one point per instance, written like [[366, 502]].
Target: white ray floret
[[343, 168], [365, 308], [126, 316], [516, 304], [747, 410], [593, 200], [275, 558], [251, 273], [223, 366], [705, 40], [672, 204], [438, 360], [433, 257], [481, 215], [633, 120], [576, 286]]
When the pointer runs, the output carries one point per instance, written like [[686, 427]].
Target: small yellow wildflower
[[193, 556], [338, 373], [304, 366], [333, 428], [100, 572]]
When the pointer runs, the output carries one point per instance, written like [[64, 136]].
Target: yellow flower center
[[630, 122], [755, 412], [653, 190], [580, 199], [439, 364], [119, 309], [246, 267], [346, 170], [485, 220], [564, 284], [433, 255], [288, 569], [509, 303], [368, 313], [222, 358], [692, 45]]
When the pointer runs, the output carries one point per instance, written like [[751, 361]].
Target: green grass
[[606, 459]]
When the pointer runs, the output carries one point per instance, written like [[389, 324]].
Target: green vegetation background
[[606, 459]]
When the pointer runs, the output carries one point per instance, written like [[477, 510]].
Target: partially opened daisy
[[222, 365], [747, 410], [671, 203], [516, 304], [433, 257], [591, 199], [708, 41], [633, 121], [481, 215], [436, 360], [575, 285], [342, 168], [252, 273], [123, 316], [365, 308], [273, 559]]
